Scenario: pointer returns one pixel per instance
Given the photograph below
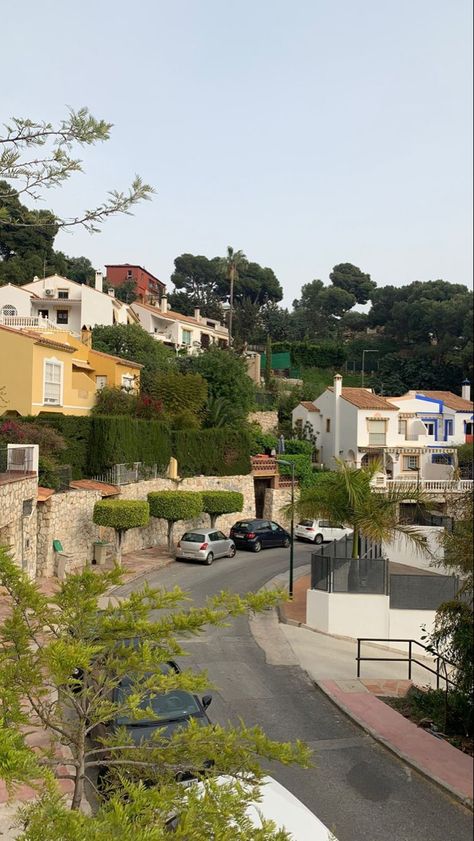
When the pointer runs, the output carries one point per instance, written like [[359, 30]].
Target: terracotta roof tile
[[452, 401], [309, 406], [91, 485], [177, 316], [365, 399], [44, 494]]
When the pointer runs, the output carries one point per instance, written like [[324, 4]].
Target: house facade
[[57, 302], [54, 371], [147, 286], [180, 332], [413, 436]]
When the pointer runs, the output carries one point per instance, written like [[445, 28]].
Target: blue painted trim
[[448, 423], [435, 422], [438, 403]]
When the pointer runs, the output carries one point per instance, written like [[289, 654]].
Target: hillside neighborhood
[[236, 486]]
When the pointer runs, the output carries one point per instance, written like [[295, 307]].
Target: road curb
[[459, 796]]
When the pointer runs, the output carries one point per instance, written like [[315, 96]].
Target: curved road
[[360, 790]]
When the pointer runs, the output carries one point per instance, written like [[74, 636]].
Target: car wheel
[[257, 546], [286, 543], [232, 552], [318, 539], [209, 559]]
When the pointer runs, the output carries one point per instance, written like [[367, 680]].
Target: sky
[[305, 133]]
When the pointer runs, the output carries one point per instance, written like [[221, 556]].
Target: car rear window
[[306, 522], [243, 526], [193, 537]]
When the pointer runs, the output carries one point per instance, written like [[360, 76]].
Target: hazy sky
[[305, 133]]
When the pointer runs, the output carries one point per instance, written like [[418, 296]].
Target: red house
[[147, 286]]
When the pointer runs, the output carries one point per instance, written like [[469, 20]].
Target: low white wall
[[407, 624], [403, 551], [348, 614]]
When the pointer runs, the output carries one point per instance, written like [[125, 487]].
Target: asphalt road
[[360, 790]]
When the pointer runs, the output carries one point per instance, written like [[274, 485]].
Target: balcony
[[436, 486], [30, 322]]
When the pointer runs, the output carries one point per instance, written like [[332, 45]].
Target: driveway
[[360, 790]]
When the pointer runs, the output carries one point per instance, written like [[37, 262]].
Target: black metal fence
[[421, 592], [334, 570]]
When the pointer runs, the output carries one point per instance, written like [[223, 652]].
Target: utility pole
[[292, 526]]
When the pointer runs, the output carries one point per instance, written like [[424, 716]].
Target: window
[[328, 424], [205, 340], [410, 463], [101, 382], [448, 428], [43, 313], [186, 336], [402, 427], [210, 324], [63, 293], [441, 458], [9, 311], [430, 427], [468, 427], [377, 434], [127, 382], [129, 274], [62, 317], [52, 382]]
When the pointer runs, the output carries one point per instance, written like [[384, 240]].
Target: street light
[[368, 350], [292, 526]]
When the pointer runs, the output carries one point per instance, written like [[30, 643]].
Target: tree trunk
[[118, 548], [78, 793], [213, 520], [355, 543], [170, 535]]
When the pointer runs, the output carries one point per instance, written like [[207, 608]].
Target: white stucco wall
[[18, 297], [97, 308], [403, 551], [409, 624], [348, 614]]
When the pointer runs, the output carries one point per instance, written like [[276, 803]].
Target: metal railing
[[127, 474], [334, 570], [440, 660], [432, 485], [29, 322]]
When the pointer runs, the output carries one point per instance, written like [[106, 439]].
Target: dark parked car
[[258, 534]]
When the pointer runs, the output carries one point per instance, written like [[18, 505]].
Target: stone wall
[[66, 517], [275, 502], [267, 421], [18, 528]]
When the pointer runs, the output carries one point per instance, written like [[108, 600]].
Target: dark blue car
[[258, 534]]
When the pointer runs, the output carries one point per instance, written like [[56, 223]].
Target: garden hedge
[[212, 452], [216, 503], [122, 439], [303, 468], [175, 505], [121, 514], [310, 355]]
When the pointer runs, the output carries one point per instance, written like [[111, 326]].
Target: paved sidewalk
[[330, 662]]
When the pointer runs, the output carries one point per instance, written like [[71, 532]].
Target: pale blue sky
[[306, 133]]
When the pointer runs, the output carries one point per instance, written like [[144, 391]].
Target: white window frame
[[59, 364], [100, 381], [402, 427], [9, 311], [62, 296], [407, 467], [128, 382], [377, 439], [187, 333]]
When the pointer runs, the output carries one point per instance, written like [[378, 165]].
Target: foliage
[[175, 505], [46, 638], [261, 441], [200, 283], [267, 374], [121, 514], [112, 400], [451, 715], [296, 445], [122, 440], [149, 408], [185, 419], [303, 468], [345, 495], [458, 543], [79, 269], [49, 440], [179, 391], [216, 503], [309, 355], [226, 377], [452, 637], [126, 291], [212, 452], [132, 342], [31, 172], [350, 278], [423, 368], [465, 454]]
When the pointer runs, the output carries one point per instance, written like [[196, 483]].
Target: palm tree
[[231, 264], [346, 496]]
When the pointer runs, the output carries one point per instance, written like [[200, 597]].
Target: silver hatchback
[[204, 545]]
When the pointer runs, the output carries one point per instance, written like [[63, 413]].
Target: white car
[[319, 531], [283, 808]]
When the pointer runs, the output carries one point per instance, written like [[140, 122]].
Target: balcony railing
[[433, 485], [29, 322]]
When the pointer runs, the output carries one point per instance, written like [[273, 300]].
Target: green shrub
[[216, 503], [48, 473], [121, 515], [324, 354], [465, 454], [113, 400], [173, 506], [303, 468], [76, 432], [295, 446], [180, 392], [121, 439], [212, 452], [185, 420], [261, 441]]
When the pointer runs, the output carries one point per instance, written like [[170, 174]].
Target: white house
[[412, 436], [57, 302], [191, 333]]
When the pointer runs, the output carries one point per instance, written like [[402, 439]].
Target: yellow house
[[53, 371]]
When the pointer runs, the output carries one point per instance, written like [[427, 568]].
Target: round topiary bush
[[173, 506], [216, 503], [121, 515]]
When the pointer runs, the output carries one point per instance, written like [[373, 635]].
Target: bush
[[185, 420], [121, 439], [310, 355], [216, 503], [173, 506], [303, 468], [295, 446], [261, 441], [76, 432], [180, 392], [121, 514], [212, 452], [48, 473], [113, 400]]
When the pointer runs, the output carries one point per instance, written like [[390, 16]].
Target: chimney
[[99, 282], [336, 419], [164, 303], [35, 278], [197, 313], [111, 292], [86, 336], [466, 390]]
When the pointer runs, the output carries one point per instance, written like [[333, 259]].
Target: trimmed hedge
[[118, 440], [310, 355], [216, 503], [121, 514], [76, 431], [175, 505], [212, 452], [303, 468]]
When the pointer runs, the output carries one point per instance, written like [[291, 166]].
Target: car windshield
[[193, 537], [306, 523], [171, 706]]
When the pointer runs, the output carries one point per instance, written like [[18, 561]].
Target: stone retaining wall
[[267, 421], [66, 517], [276, 500], [18, 528]]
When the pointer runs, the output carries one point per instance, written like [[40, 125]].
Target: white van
[[318, 531]]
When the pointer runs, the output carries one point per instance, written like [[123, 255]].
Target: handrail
[[410, 659]]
